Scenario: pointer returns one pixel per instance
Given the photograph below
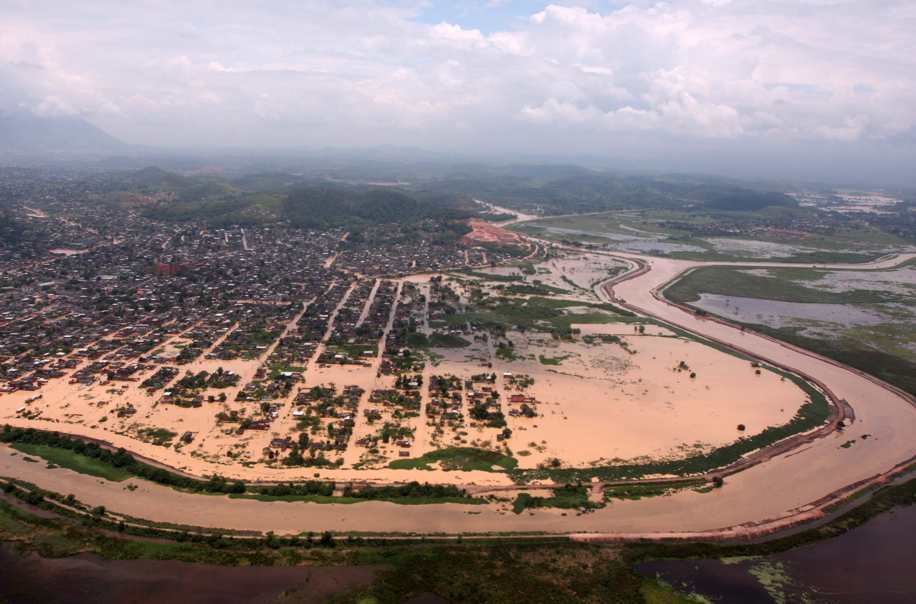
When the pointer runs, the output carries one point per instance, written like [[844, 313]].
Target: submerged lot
[[773, 233], [866, 319]]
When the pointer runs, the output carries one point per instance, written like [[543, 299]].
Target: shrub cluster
[[311, 487], [411, 490]]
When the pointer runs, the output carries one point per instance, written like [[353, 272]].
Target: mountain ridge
[[25, 132]]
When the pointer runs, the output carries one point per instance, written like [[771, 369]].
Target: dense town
[[307, 347]]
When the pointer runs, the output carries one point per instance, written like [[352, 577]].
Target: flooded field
[[655, 246], [687, 236], [899, 281], [87, 578], [866, 314], [871, 563], [756, 249], [775, 313], [629, 239]]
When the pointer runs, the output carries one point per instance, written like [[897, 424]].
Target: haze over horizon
[[821, 89]]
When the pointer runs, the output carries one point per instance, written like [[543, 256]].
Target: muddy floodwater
[[775, 313], [872, 563], [629, 243], [90, 579], [756, 249], [650, 246], [900, 281]]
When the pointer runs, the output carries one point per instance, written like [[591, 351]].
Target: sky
[[801, 88]]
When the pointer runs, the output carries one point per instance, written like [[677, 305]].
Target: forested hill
[[152, 180], [316, 202], [324, 206], [571, 189], [221, 201]]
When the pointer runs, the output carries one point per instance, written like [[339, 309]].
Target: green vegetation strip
[[458, 458], [77, 462], [412, 493], [636, 492], [94, 460], [534, 289], [498, 570], [118, 460], [493, 276]]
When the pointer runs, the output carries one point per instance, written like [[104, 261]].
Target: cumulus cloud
[[566, 74]]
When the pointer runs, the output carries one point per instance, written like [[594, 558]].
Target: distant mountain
[[23, 132], [559, 189]]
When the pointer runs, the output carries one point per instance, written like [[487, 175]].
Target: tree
[[295, 458]]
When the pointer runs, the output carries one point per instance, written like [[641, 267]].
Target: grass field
[[70, 460]]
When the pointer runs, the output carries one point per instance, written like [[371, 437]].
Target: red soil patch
[[486, 233]]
